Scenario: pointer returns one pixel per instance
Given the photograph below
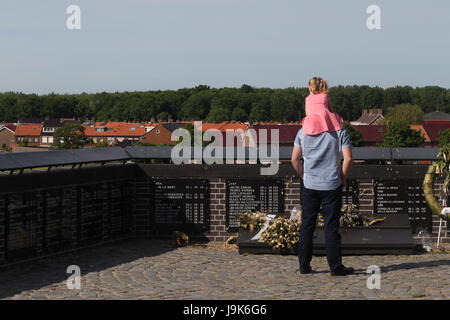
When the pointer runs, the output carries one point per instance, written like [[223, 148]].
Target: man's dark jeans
[[331, 202]]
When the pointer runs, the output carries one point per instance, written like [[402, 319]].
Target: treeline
[[214, 105]]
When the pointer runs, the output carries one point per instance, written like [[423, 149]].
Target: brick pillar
[[217, 211], [291, 194]]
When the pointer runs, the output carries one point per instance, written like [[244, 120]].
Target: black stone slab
[[394, 197], [180, 204], [393, 236], [265, 195], [350, 194]]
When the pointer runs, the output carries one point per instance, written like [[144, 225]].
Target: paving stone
[[145, 269]]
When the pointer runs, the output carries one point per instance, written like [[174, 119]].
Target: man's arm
[[347, 153], [296, 160]]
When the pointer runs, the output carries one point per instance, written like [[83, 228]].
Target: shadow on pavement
[[41, 273]]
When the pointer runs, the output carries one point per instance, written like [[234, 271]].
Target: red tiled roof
[[28, 129], [286, 132], [234, 126], [115, 129], [371, 133], [218, 126], [433, 130]]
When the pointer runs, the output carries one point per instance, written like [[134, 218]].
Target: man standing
[[322, 143]]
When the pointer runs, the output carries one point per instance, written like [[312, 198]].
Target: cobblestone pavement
[[149, 269]]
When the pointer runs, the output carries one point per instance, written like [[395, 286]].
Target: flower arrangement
[[252, 220], [282, 233], [350, 217]]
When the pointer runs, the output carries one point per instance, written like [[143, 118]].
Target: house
[[49, 127], [369, 117], [286, 134], [113, 132], [236, 128], [433, 130], [371, 134], [436, 117], [29, 134], [160, 133], [7, 135]]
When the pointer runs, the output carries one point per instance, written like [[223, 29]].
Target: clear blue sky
[[170, 44]]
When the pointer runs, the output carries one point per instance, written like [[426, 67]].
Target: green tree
[[164, 116], [411, 114], [218, 114], [355, 135], [239, 114], [70, 136], [399, 134], [444, 138]]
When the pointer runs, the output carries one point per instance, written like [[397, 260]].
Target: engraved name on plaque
[[252, 195]]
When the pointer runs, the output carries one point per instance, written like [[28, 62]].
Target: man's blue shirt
[[322, 155]]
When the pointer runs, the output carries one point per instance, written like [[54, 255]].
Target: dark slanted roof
[[31, 120], [436, 116], [371, 133], [53, 123], [61, 157], [286, 133], [9, 126], [173, 126], [415, 153], [433, 130], [370, 116]]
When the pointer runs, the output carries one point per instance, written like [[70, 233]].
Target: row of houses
[[38, 134]]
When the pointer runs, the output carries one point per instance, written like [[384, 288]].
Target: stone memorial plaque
[[390, 196], [181, 203], [419, 212], [403, 196], [350, 194], [253, 195]]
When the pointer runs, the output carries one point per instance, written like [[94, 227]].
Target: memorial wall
[[45, 213]]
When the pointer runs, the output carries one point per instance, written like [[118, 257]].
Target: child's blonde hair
[[318, 85]]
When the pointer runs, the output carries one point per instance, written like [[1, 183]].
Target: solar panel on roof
[[7, 163], [100, 154], [148, 152], [415, 153], [371, 153], [44, 158]]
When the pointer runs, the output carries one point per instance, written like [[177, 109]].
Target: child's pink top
[[319, 118]]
